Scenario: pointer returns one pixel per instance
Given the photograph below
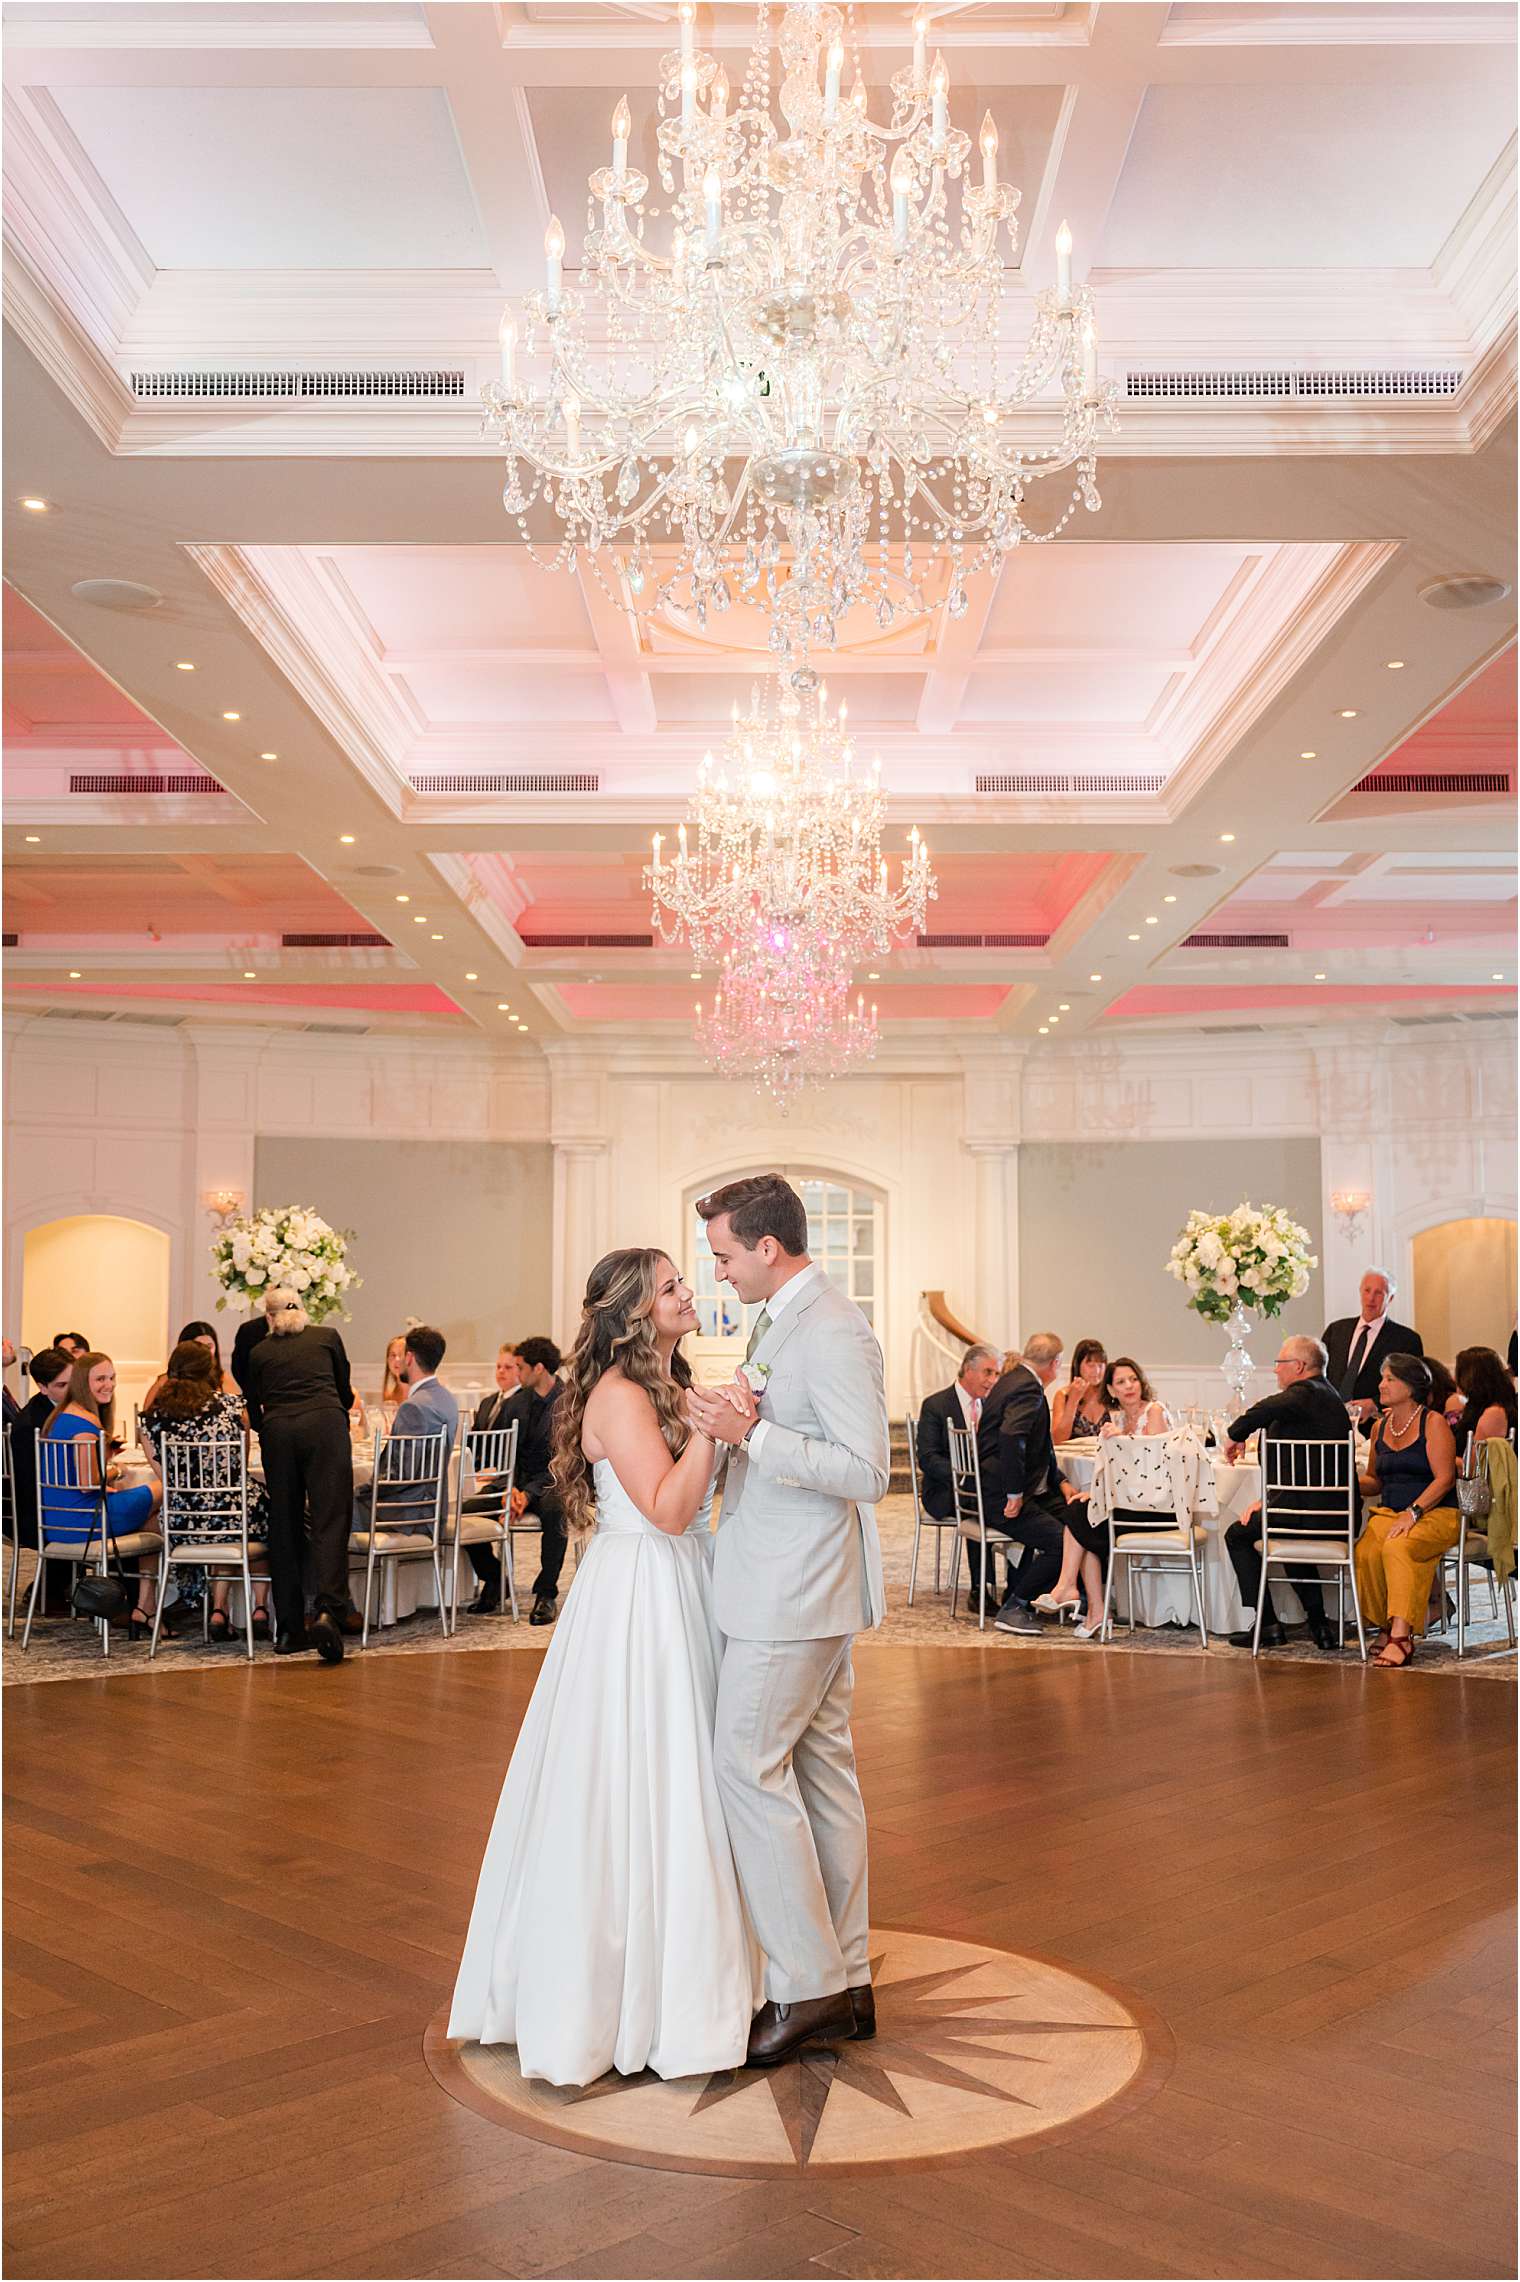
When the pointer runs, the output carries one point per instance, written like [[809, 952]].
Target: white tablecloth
[[1166, 1597]]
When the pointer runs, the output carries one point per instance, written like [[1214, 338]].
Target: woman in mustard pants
[[1410, 1471]]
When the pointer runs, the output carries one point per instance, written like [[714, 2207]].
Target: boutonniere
[[755, 1374]]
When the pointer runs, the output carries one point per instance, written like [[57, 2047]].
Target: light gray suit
[[796, 1573]]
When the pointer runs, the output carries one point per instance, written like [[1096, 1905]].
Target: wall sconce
[[1349, 1207], [224, 1205]]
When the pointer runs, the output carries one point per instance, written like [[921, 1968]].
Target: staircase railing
[[940, 1340]]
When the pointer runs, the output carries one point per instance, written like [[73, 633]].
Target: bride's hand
[[719, 1414]]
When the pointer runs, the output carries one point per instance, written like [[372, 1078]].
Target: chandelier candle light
[[791, 383]]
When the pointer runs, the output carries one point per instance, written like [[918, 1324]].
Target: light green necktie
[[762, 1326]]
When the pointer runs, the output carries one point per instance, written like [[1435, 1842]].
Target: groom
[[796, 1573]]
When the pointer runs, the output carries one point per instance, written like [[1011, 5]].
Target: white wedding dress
[[607, 1930]]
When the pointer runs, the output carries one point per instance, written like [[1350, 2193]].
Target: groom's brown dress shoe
[[863, 2005], [779, 2031]]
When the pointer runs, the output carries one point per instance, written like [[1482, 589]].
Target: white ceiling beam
[[1091, 140]]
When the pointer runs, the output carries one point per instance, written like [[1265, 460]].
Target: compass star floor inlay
[[975, 2048]]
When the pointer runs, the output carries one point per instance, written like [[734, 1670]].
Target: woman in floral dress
[[189, 1404]]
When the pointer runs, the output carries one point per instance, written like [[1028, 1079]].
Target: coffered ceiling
[[1210, 759]]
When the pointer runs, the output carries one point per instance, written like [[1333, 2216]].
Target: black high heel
[[219, 1617]]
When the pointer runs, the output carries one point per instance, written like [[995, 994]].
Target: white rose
[[255, 1275]]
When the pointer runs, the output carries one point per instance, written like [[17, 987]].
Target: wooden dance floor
[[1282, 1896]]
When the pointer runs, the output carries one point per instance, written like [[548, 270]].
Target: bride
[[607, 1930]]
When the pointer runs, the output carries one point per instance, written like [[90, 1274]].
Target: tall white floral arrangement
[[1249, 1258], [285, 1244]]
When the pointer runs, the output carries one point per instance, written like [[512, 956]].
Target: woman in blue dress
[[88, 1408]]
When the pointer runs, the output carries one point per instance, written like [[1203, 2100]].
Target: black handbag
[[100, 1595]]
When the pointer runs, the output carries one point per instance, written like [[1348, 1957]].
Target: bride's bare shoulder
[[611, 1404]]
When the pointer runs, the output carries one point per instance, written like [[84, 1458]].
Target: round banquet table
[[404, 1586], [1166, 1596]]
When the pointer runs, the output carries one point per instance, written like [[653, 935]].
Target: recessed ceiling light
[[1496, 978], [1044, 1030], [34, 839], [1395, 665], [1168, 899], [696, 974], [403, 899], [1348, 712], [1151, 920], [1319, 978], [1095, 978], [35, 506], [502, 1007], [1309, 756], [522, 1030], [1066, 1006], [232, 717], [1134, 938], [269, 756], [183, 666], [345, 839], [419, 919], [874, 976], [74, 975], [249, 976], [435, 938], [1227, 837], [472, 978]]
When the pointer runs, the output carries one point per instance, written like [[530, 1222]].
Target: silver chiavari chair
[[407, 1513], [1316, 1535], [12, 1529], [1158, 1546], [69, 1466], [922, 1520], [487, 1469], [969, 1524], [204, 1518]]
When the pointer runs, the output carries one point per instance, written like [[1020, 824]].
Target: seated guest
[[1488, 1398], [88, 1408], [72, 1342], [1444, 1396], [393, 1375], [1080, 1408], [957, 1405], [1357, 1344], [538, 1361], [191, 1404], [1020, 1484], [428, 1409], [1132, 1404], [510, 1403], [1305, 1408], [204, 1334], [48, 1371], [1410, 1472]]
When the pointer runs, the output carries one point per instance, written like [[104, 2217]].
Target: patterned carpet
[[64, 1650]]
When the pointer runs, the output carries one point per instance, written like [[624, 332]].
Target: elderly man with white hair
[[299, 1397], [1306, 1408], [1355, 1345]]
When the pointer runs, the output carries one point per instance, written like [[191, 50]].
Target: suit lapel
[[781, 1330]]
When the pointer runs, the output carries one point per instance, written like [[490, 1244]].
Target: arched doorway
[[108, 1277], [846, 1237], [1464, 1285]]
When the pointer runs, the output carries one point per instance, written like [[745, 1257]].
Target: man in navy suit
[[429, 1408]]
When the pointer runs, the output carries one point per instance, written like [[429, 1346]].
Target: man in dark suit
[[1356, 1345], [509, 1403], [1022, 1496], [49, 1371], [538, 1360], [1306, 1408], [957, 1405]]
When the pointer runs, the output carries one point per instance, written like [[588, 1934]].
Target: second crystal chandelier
[[796, 391]]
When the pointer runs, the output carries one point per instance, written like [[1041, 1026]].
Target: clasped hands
[[723, 1414]]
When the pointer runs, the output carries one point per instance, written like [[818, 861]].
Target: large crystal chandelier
[[782, 1023], [790, 383], [783, 849]]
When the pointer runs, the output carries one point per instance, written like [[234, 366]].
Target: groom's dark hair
[[762, 1205]]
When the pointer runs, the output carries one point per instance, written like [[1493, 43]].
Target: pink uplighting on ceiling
[[1247, 998], [372, 998], [232, 899], [49, 685]]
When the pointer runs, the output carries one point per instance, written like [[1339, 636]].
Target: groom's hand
[[725, 1413]]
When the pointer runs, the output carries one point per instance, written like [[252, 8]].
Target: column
[[580, 1191], [225, 1136]]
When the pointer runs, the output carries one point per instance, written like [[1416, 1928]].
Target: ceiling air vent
[[431, 780], [336, 943], [1437, 780], [1500, 1014], [587, 942], [1389, 385], [1426, 1021], [1232, 1029], [153, 1021], [1236, 943], [139, 786], [293, 387], [9, 942], [77, 1014], [981, 942], [1061, 780], [335, 1029]]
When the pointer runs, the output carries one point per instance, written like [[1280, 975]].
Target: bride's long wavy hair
[[617, 1327]]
